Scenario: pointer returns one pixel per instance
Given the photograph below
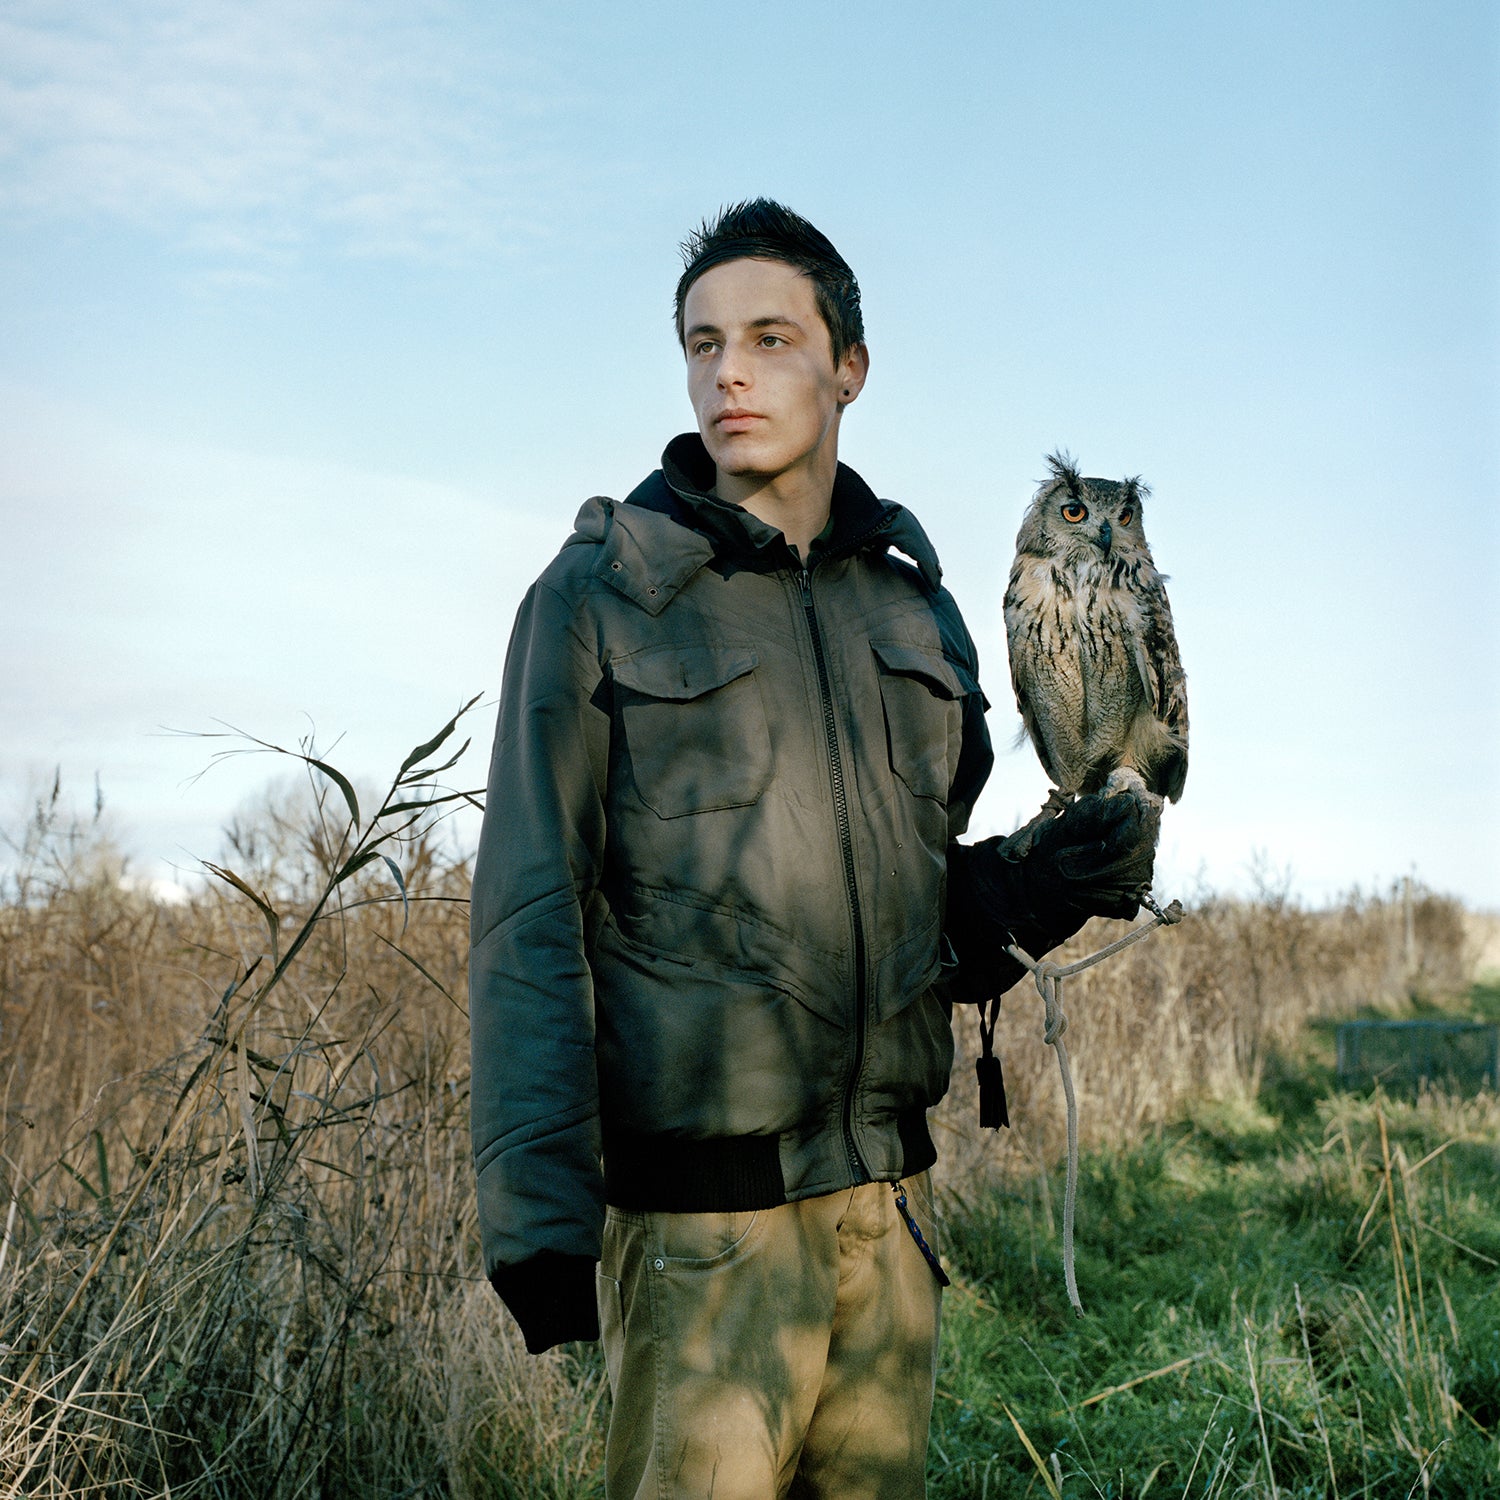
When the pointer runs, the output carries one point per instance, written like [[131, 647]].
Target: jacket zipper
[[851, 888]]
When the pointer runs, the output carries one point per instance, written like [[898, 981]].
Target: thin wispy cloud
[[244, 131]]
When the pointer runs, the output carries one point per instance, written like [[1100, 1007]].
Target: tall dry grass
[[239, 1252]]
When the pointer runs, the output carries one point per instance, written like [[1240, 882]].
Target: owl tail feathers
[[1019, 844]]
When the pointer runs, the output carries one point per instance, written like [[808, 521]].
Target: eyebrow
[[770, 320]]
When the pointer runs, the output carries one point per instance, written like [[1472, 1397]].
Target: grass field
[[239, 1256], [1295, 1295]]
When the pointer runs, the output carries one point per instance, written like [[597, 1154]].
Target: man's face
[[761, 374]]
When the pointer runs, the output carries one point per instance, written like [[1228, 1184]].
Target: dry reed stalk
[[1320, 1421]]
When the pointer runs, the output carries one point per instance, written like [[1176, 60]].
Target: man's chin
[[738, 461]]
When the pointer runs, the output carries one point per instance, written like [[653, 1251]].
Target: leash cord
[[1049, 978]]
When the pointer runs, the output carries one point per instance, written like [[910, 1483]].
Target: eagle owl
[[1093, 657]]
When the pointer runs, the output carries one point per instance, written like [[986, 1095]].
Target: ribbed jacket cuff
[[551, 1296]]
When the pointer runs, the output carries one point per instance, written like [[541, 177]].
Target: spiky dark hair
[[760, 229]]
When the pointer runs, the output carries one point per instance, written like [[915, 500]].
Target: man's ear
[[853, 370]]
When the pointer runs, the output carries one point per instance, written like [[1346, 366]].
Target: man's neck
[[796, 502]]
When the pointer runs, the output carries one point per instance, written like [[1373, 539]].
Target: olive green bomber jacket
[[706, 925]]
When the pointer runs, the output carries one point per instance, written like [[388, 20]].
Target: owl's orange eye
[[1125, 516], [1074, 512]]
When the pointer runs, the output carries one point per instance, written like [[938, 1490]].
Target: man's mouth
[[737, 419]]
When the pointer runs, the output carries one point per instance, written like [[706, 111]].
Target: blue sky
[[317, 324]]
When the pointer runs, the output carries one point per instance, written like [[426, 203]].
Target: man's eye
[[771, 340], [704, 346]]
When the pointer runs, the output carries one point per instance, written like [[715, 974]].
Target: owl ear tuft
[[1136, 488], [1064, 470]]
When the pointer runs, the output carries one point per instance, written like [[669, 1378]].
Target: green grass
[[1484, 1001], [1297, 1295]]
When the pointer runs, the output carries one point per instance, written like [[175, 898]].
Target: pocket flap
[[682, 672], [930, 666]]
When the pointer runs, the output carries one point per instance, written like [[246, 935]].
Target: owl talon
[[1126, 779], [1018, 845]]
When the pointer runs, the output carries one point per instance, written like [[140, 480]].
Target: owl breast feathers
[[1093, 656]]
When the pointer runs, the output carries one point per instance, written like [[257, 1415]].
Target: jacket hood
[[669, 526]]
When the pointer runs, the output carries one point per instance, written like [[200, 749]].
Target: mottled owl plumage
[[1093, 655]]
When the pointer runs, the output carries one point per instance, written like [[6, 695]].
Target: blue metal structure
[[1459, 1054]]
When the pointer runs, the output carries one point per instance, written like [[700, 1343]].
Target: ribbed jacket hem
[[724, 1174]]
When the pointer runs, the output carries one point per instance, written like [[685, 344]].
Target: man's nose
[[734, 368]]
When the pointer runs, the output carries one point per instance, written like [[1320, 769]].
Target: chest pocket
[[694, 727], [921, 692]]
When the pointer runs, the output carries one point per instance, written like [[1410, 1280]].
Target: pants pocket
[[611, 1327], [701, 1241], [922, 1207]]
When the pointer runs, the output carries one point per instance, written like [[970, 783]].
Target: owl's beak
[[1105, 534]]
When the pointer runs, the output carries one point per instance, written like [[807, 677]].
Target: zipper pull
[[806, 580]]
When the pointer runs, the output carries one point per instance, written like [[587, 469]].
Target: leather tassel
[[992, 1111]]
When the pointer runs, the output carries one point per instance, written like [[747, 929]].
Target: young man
[[740, 731]]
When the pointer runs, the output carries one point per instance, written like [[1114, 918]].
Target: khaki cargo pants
[[787, 1352]]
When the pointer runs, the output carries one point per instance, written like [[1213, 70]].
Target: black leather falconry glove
[[1094, 860], [1036, 890]]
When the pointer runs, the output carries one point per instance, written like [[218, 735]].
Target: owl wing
[[1047, 697], [1160, 666]]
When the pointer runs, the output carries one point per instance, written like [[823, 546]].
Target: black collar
[[680, 489]]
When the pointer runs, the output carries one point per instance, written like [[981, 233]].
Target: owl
[[1093, 656]]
